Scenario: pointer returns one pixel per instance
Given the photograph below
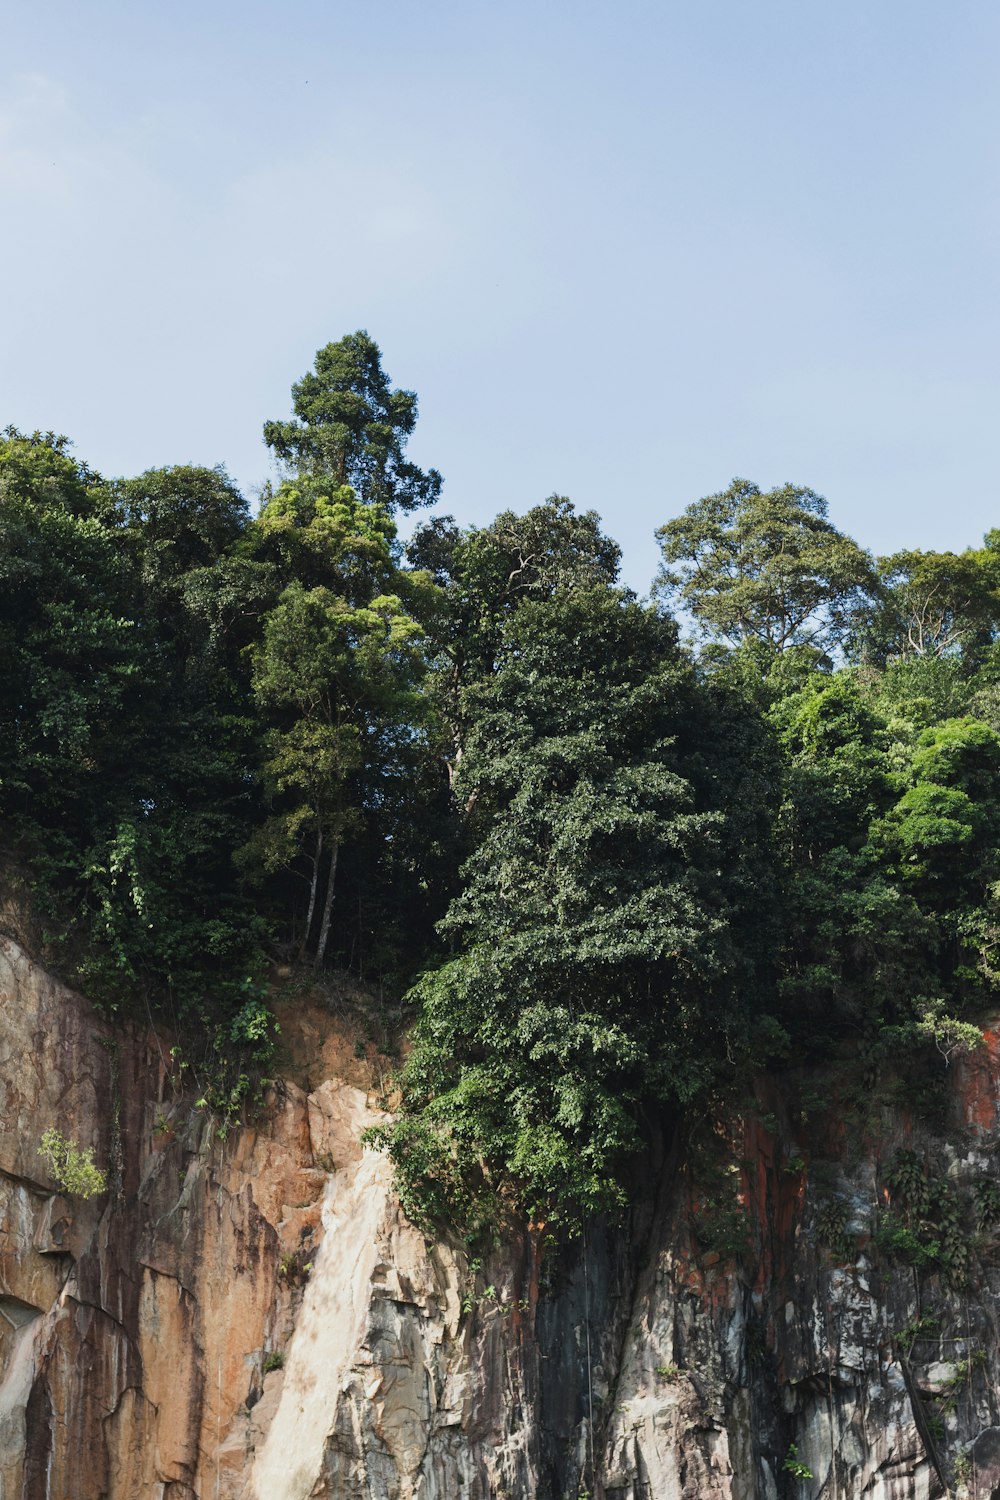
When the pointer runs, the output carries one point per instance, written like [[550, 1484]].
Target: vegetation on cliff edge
[[606, 867]]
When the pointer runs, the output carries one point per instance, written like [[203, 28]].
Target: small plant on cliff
[[927, 1327], [908, 1178], [986, 1196], [831, 1229], [72, 1166], [793, 1465], [234, 1060], [931, 1232], [897, 1239]]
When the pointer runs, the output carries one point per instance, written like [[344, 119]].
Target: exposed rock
[[254, 1319]]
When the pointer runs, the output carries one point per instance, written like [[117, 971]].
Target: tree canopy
[[601, 871], [766, 566], [350, 423]]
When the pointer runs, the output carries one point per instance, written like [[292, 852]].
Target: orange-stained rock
[[977, 1082]]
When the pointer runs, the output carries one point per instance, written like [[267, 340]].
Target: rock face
[[254, 1319]]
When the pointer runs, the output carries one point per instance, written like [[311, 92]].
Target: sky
[[623, 251]]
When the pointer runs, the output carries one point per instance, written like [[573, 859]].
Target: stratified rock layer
[[254, 1319]]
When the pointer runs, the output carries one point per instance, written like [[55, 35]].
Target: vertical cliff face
[[253, 1318]]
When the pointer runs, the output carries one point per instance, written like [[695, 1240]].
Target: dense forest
[[608, 854]]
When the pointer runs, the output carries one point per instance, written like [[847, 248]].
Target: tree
[[754, 566], [37, 468], [936, 604], [851, 941], [123, 779], [943, 832], [180, 518], [315, 531], [352, 427], [483, 576], [887, 844], [590, 973], [67, 634], [182, 528], [336, 673]]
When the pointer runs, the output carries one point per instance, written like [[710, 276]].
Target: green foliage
[[950, 1036], [897, 1239], [352, 425], [889, 848], [72, 1167], [37, 470], [935, 604], [230, 1059], [793, 1465], [176, 519], [184, 686], [592, 958], [766, 567], [608, 872], [119, 786], [482, 577], [908, 1177], [336, 671], [986, 1197], [253, 1026], [931, 1232], [927, 1327], [831, 1229]]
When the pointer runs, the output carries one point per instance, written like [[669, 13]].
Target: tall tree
[[592, 955], [182, 517], [766, 566], [124, 780], [936, 604], [67, 635], [336, 673], [351, 426], [484, 575]]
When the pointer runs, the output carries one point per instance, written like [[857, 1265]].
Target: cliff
[[252, 1318]]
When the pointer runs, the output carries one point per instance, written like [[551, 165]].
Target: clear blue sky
[[622, 251]]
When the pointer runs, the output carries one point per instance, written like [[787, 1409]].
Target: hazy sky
[[622, 251]]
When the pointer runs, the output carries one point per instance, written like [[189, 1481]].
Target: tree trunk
[[324, 931], [313, 888]]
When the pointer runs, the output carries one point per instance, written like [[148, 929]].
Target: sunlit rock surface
[[253, 1318]]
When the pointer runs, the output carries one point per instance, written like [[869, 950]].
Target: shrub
[[72, 1166]]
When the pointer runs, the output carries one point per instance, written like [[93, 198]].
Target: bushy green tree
[[485, 574], [352, 426], [849, 934], [70, 646], [590, 977], [768, 567], [935, 604], [122, 788], [345, 674], [178, 518], [889, 854], [336, 675]]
